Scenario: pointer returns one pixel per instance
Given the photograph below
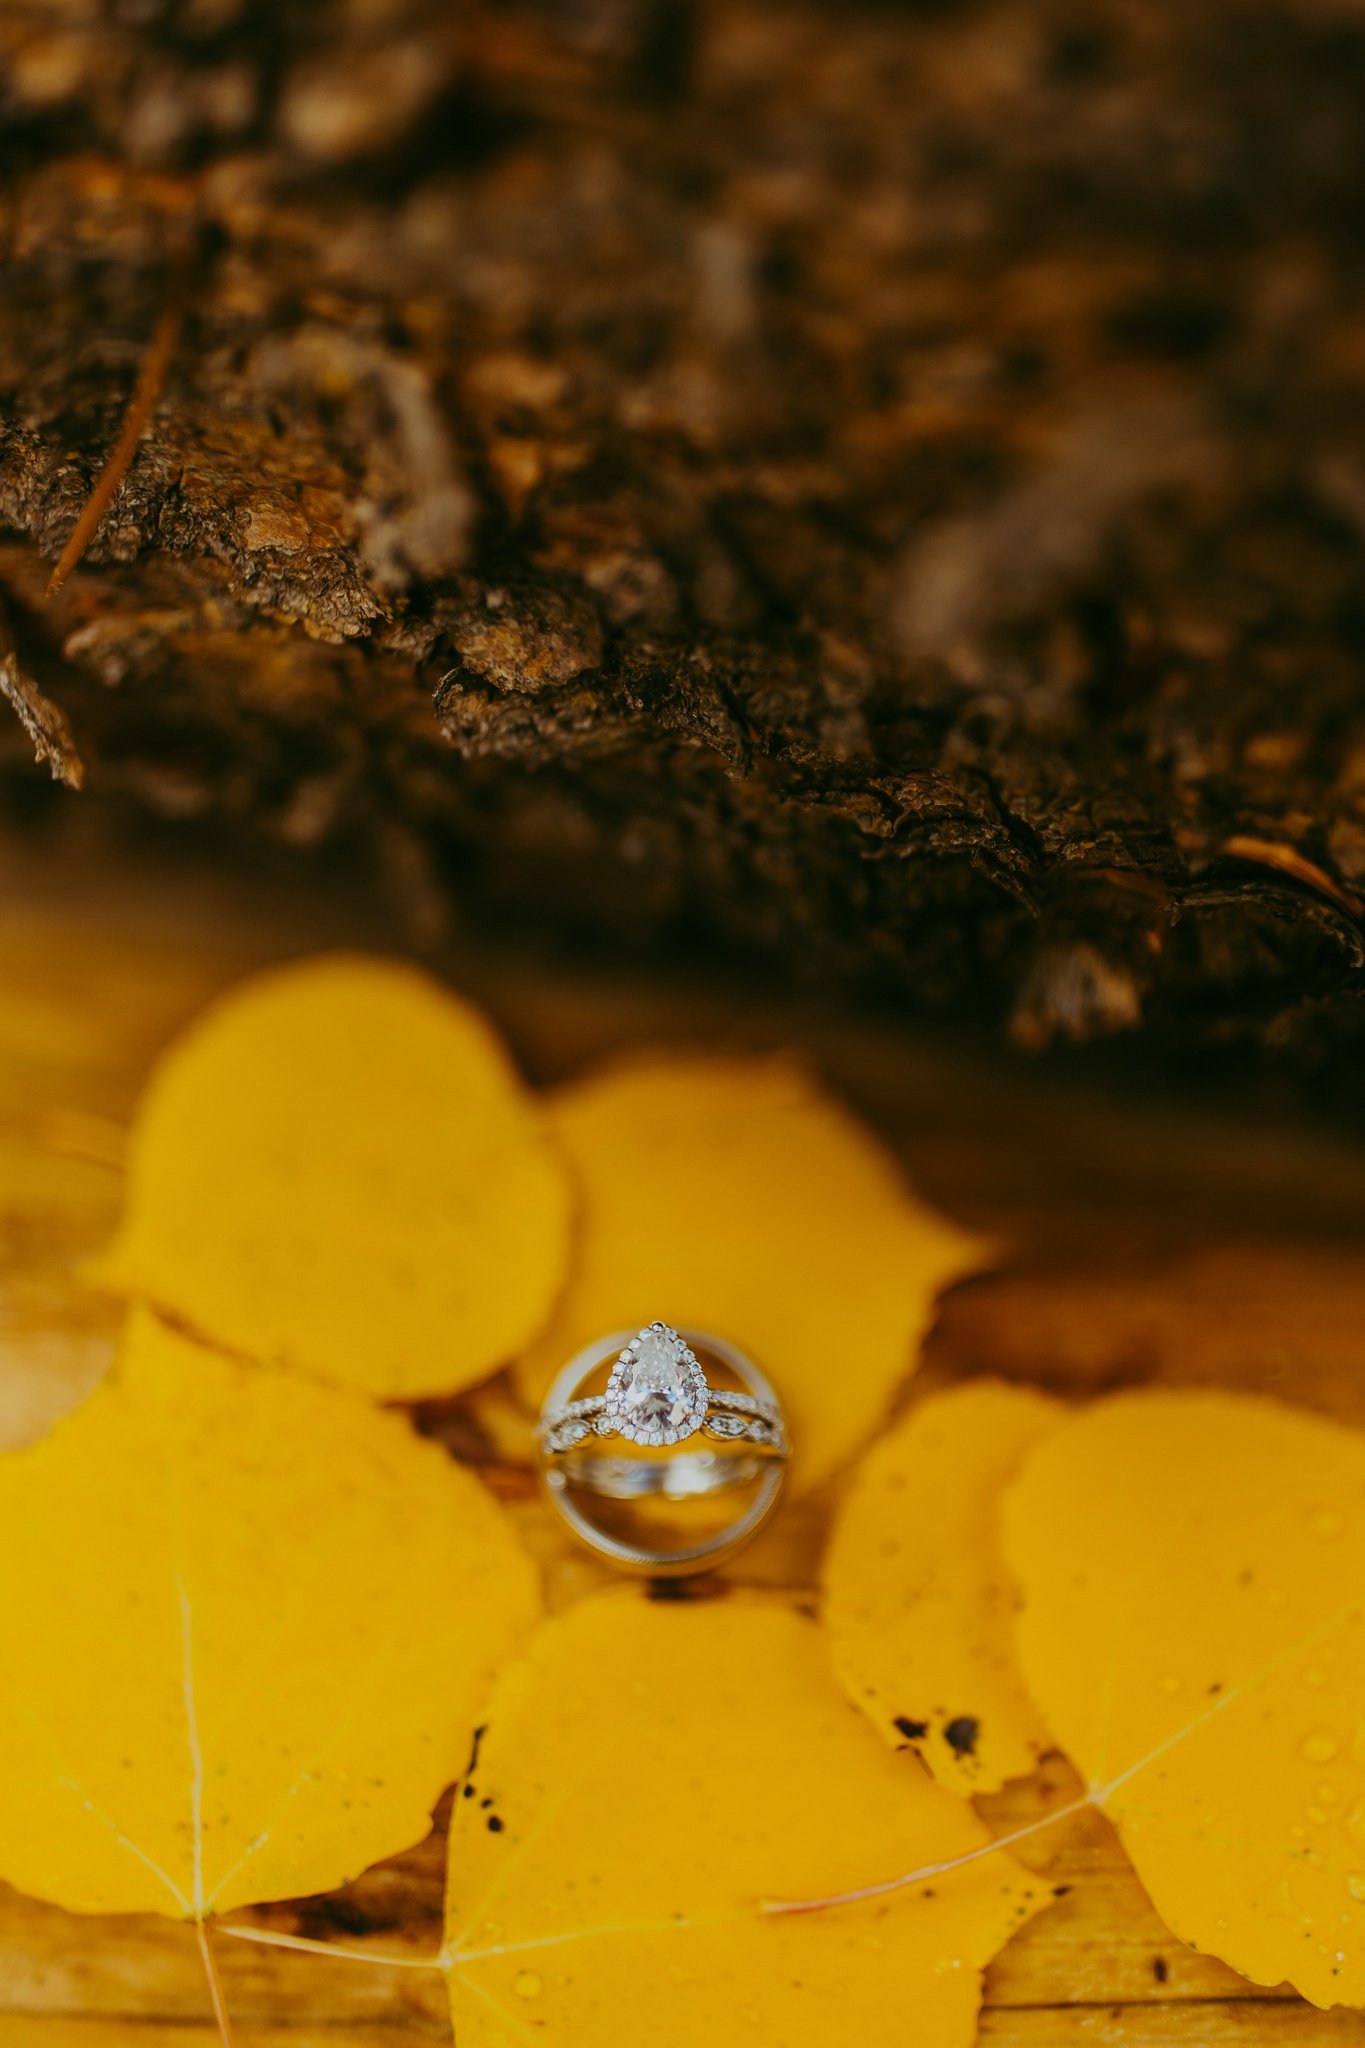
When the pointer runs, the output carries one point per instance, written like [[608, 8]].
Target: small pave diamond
[[569, 1425], [657, 1393], [726, 1426], [721, 1397]]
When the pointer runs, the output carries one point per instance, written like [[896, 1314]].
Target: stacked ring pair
[[662, 1431]]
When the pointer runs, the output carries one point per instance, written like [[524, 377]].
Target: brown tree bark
[[878, 489]]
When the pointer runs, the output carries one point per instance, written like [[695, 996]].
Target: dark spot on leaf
[[913, 1731], [494, 1824], [1159, 1969], [960, 1735]]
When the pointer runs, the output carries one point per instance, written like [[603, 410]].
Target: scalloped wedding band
[[658, 1399]]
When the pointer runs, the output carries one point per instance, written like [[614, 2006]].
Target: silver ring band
[[658, 1399]]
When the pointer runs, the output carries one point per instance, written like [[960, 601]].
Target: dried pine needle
[[151, 377]]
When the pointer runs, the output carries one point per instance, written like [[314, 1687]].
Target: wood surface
[[1139, 1239]]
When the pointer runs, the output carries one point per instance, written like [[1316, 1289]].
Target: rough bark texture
[[879, 488]]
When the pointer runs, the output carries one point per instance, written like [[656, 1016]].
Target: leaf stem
[[268, 1938], [926, 1871], [220, 2012]]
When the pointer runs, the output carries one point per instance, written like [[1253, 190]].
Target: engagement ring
[[720, 1432]]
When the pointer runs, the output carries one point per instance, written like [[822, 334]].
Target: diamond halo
[[657, 1393]]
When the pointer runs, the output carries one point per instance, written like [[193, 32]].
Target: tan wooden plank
[[1191, 2025], [79, 2031], [1198, 2023]]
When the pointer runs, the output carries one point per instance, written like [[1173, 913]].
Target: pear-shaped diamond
[[657, 1392]]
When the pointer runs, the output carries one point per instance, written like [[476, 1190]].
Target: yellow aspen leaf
[[735, 1195], [650, 1774], [336, 1168], [1193, 1573], [249, 1626], [917, 1601]]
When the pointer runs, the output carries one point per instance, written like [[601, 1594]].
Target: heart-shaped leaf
[[249, 1626], [337, 1168], [1193, 1572], [650, 1774]]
